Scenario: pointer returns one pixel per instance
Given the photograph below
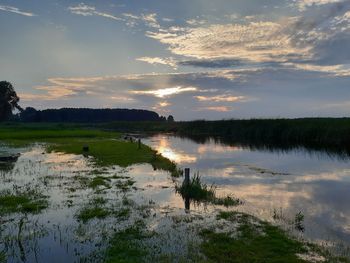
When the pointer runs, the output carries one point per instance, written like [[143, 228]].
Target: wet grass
[[197, 191], [106, 148], [27, 202], [88, 213], [227, 201], [253, 243], [2, 257], [97, 209], [107, 152], [126, 246], [99, 181]]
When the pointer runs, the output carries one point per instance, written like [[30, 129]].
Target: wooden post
[[187, 183], [139, 142], [187, 176]]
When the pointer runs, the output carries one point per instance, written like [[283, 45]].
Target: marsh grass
[[99, 181], [88, 213], [197, 191], [2, 257], [126, 246], [256, 241], [22, 202]]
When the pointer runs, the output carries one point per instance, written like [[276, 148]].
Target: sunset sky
[[195, 59]]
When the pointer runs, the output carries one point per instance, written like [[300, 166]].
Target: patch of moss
[[27, 202]]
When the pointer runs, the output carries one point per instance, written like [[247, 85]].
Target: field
[[94, 202]]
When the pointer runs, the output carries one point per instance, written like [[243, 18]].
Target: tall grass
[[317, 133]]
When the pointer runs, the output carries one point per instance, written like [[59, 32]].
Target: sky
[[197, 59]]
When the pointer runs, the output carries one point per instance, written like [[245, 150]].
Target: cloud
[[253, 42], [15, 10], [151, 20], [220, 98], [86, 10], [303, 4], [215, 108], [318, 36], [166, 92], [171, 62]]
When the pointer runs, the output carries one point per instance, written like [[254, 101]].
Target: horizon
[[197, 60]]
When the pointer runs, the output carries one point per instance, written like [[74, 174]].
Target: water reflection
[[268, 178]]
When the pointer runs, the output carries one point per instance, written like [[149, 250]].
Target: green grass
[[197, 191], [255, 241], [227, 201], [88, 213], [263, 243], [126, 246], [105, 147], [28, 202], [2, 257], [99, 181]]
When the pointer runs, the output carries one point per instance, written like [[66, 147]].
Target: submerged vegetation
[[25, 202], [126, 245]]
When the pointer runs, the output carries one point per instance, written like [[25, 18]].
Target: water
[[274, 185], [283, 183]]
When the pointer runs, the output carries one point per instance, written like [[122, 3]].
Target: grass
[[265, 244], [88, 213], [99, 181], [126, 246], [105, 147], [331, 134], [96, 209], [198, 191], [2, 257], [27, 202], [255, 241]]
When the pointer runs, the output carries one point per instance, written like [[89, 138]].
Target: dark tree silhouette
[[171, 118], [87, 115], [8, 100]]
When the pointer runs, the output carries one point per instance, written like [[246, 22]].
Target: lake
[[273, 183]]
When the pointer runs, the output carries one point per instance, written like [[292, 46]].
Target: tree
[[8, 100], [171, 118]]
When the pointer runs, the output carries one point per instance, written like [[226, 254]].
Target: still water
[[273, 185], [281, 183]]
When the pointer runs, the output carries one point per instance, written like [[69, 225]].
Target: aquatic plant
[[22, 202], [196, 190]]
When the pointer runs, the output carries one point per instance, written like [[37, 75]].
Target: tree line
[[9, 102]]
